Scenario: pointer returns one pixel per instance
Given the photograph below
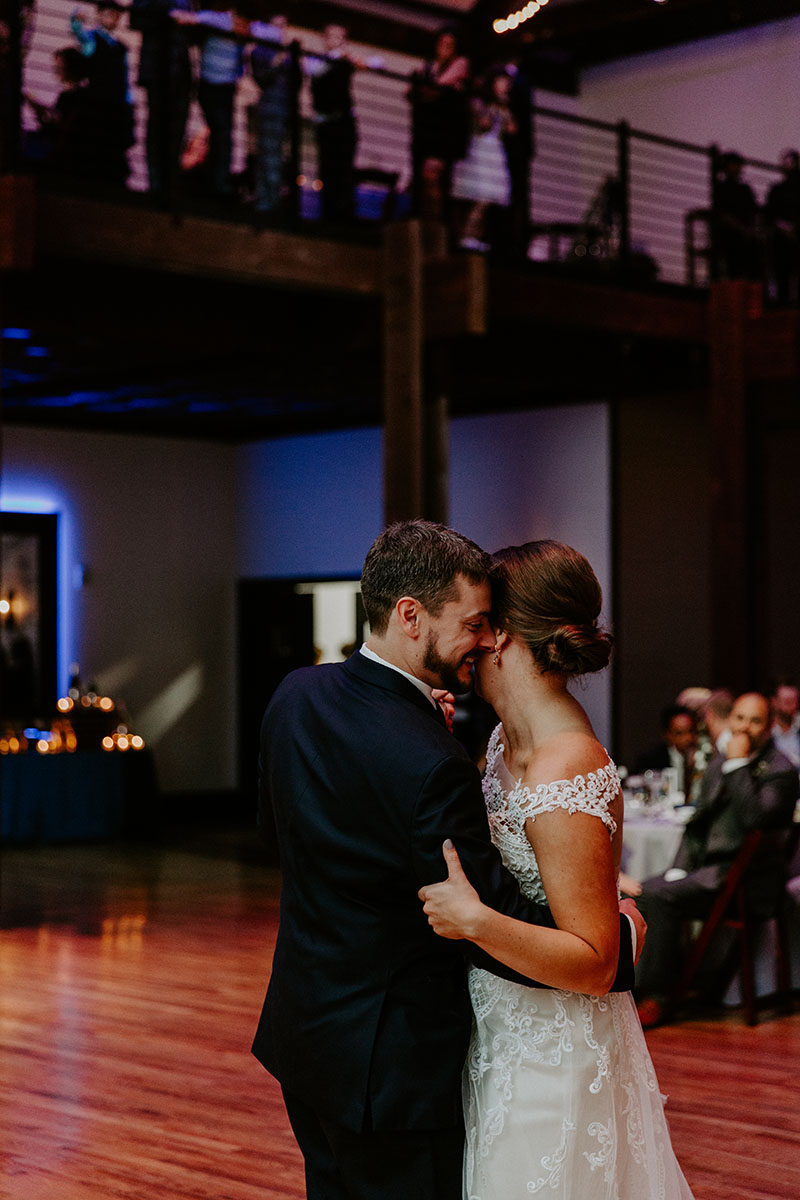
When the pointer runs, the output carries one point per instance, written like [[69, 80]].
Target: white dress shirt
[[425, 688]]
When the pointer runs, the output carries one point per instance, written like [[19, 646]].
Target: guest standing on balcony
[[221, 67], [483, 178], [518, 145], [9, 124], [334, 122], [272, 69], [736, 233], [782, 215], [108, 100], [61, 144], [440, 124], [165, 74]]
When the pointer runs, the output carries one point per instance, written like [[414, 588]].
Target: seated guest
[[713, 731], [785, 704], [677, 747], [717, 718], [752, 786], [695, 698]]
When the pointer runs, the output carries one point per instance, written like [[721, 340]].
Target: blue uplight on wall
[[32, 499]]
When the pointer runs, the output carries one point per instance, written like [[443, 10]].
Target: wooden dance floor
[[131, 979]]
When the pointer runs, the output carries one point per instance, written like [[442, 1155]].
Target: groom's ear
[[409, 613]]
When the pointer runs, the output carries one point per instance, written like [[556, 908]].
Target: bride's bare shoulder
[[566, 755]]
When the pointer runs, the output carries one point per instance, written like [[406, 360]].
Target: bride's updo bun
[[546, 594]]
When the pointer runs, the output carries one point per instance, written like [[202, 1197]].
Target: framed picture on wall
[[28, 616]]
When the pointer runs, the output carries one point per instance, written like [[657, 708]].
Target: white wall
[[517, 477], [739, 90], [152, 520], [310, 505]]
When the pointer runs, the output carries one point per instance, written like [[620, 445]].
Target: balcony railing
[[599, 197]]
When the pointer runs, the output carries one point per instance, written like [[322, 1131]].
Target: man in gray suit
[[751, 786]]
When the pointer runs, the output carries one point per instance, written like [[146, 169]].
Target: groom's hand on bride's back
[[640, 925]]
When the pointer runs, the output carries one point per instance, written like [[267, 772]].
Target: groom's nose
[[486, 639]]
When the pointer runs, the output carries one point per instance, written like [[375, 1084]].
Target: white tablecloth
[[649, 845]]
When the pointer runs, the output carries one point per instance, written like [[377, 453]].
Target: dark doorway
[[280, 625], [28, 617]]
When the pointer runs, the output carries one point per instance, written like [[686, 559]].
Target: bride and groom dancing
[[520, 962]]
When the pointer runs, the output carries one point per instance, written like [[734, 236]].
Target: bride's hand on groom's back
[[447, 703], [453, 908]]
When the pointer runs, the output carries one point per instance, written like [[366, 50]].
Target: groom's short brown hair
[[420, 559]]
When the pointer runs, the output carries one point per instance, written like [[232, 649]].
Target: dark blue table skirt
[[66, 796]]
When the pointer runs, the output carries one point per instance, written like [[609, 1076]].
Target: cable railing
[[322, 136]]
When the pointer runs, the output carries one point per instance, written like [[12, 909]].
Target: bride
[[560, 1095]]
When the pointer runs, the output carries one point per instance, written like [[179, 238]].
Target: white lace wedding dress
[[560, 1095]]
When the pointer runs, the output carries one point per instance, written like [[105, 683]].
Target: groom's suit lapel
[[383, 677]]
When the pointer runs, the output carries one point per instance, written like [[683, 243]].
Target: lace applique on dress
[[508, 810]]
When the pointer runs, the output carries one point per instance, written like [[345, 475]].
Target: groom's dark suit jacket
[[367, 1015]]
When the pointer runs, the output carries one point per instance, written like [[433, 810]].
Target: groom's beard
[[447, 672]]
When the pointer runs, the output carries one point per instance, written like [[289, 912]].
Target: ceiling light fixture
[[515, 19]]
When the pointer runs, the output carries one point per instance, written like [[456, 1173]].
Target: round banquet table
[[649, 843]]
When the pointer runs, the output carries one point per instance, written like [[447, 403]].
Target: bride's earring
[[496, 656]]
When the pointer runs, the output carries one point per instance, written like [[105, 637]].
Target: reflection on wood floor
[[132, 978]]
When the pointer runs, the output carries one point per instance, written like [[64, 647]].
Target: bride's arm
[[575, 861]]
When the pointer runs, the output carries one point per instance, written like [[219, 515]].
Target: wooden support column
[[427, 302], [436, 430], [731, 304], [403, 409]]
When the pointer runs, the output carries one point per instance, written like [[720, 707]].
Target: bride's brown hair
[[547, 595]]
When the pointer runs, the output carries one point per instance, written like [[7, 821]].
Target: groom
[[367, 1016]]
